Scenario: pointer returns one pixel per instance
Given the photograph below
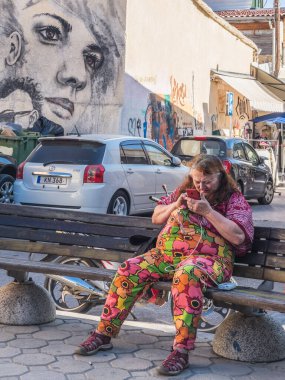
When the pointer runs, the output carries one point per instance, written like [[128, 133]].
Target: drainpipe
[[277, 38]]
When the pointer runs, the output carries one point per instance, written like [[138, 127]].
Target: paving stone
[[231, 368], [28, 343], [205, 351], [151, 354], [12, 369], [59, 349], [43, 375], [204, 337], [100, 357], [77, 377], [9, 352], [75, 339], [69, 365], [80, 327], [209, 376], [34, 359], [131, 363], [199, 361], [120, 346], [266, 375], [52, 334], [6, 337], [55, 322], [22, 329], [108, 374], [139, 338], [158, 333]]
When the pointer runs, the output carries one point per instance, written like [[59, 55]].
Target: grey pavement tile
[[58, 349], [231, 368], [202, 376], [77, 377], [159, 333], [163, 344], [120, 346], [264, 375], [108, 374], [199, 361], [22, 329], [75, 339], [28, 343], [70, 365], [204, 351], [139, 338], [100, 357], [204, 337], [34, 359], [52, 334], [12, 369], [6, 336], [43, 375], [151, 354], [131, 363], [74, 327], [9, 352]]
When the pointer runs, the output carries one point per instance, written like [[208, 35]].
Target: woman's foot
[[174, 364], [95, 342]]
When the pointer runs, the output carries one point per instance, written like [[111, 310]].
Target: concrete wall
[[170, 51], [50, 54]]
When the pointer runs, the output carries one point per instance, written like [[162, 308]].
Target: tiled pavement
[[45, 352]]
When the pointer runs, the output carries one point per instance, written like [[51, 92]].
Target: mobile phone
[[193, 193]]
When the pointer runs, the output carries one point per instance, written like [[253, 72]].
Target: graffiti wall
[[62, 64]]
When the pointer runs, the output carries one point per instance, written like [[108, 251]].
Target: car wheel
[[6, 188], [268, 195], [119, 204]]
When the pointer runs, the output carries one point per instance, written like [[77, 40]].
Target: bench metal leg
[[250, 338]]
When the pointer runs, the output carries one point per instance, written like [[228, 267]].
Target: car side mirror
[[175, 161], [263, 159]]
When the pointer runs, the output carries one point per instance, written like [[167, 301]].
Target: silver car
[[97, 173]]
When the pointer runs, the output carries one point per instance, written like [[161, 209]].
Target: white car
[[97, 173]]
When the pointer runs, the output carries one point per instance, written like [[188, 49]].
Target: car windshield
[[68, 152], [192, 147]]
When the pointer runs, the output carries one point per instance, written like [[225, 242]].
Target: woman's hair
[[209, 164]]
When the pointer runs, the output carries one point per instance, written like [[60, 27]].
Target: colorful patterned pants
[[175, 257]]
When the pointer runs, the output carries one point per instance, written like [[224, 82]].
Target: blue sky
[[269, 3]]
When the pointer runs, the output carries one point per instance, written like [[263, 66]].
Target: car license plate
[[52, 180]]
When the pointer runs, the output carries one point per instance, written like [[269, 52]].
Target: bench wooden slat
[[274, 275], [250, 297], [251, 259], [275, 261], [249, 272], [73, 226], [70, 239], [46, 213], [64, 250], [54, 268]]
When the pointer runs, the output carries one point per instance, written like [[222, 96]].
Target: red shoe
[[95, 342], [174, 364]]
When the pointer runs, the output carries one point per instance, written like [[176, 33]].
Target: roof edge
[[210, 13]]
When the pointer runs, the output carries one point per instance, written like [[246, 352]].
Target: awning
[[259, 97], [276, 117]]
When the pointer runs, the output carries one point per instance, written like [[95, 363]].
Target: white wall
[[171, 47]]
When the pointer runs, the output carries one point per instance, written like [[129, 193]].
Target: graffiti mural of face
[[61, 56], [17, 108]]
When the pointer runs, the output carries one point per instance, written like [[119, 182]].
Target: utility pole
[[277, 37]]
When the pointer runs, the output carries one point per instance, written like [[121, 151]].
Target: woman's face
[[206, 184], [62, 56]]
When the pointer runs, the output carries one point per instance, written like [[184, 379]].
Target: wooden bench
[[76, 234]]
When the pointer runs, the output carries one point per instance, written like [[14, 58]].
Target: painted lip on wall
[[64, 103]]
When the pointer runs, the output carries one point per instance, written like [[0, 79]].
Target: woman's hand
[[201, 207], [162, 212]]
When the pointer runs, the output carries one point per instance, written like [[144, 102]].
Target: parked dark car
[[8, 170], [240, 159]]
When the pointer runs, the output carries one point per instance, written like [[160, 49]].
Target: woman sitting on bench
[[195, 249]]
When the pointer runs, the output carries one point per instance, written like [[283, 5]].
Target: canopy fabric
[[259, 97], [276, 117]]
